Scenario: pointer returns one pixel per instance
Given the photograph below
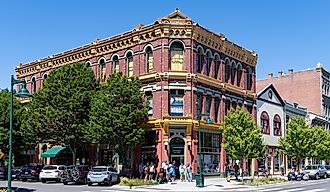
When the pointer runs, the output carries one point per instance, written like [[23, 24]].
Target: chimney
[[290, 71], [270, 75], [280, 73]]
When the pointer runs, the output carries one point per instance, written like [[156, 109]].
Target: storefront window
[[210, 152], [148, 149], [277, 163]]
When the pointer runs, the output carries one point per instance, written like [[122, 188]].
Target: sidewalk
[[211, 184]]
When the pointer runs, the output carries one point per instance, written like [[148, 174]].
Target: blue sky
[[285, 34]]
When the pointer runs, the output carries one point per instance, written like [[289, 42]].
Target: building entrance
[[177, 150]]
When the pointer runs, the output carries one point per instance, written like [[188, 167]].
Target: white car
[[102, 174], [51, 173]]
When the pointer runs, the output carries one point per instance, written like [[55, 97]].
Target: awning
[[53, 152]]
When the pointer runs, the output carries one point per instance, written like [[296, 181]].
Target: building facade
[[309, 88], [271, 120], [185, 69]]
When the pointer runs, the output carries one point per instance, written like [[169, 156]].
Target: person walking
[[189, 172], [172, 172], [236, 169], [167, 171], [151, 171], [146, 172], [182, 169], [141, 170]]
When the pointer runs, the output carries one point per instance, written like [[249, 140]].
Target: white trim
[[227, 59], [233, 63], [148, 45], [239, 65], [125, 55], [98, 61], [113, 55], [177, 40], [209, 51], [248, 70], [89, 63], [215, 55], [199, 47]]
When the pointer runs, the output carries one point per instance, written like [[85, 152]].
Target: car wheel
[[65, 183], [24, 180], [317, 177], [89, 184], [43, 181]]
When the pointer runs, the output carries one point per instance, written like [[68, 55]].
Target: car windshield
[[50, 168], [310, 167], [29, 167], [99, 169]]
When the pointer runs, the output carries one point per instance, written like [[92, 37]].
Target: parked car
[[16, 172], [31, 172], [102, 175], [327, 167], [75, 174], [3, 172], [315, 171], [51, 173]]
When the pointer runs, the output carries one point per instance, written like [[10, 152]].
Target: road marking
[[315, 190], [270, 189], [296, 189]]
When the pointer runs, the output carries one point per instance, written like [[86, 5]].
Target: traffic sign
[[1, 154]]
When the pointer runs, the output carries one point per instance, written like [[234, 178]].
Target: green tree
[[298, 140], [59, 112], [117, 115], [319, 143], [243, 138], [4, 120]]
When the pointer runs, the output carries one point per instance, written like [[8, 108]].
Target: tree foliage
[[59, 112], [4, 118], [117, 114], [243, 138]]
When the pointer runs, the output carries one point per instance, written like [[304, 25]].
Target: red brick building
[[309, 88], [184, 68]]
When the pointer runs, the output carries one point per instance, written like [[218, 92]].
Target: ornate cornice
[[175, 25]]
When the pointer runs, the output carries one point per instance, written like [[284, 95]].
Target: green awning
[[52, 152]]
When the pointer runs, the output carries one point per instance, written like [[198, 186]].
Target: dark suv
[[3, 172], [30, 171], [75, 174]]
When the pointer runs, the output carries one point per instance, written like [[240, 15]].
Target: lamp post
[[23, 93], [200, 178]]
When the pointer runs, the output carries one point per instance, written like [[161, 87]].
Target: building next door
[[176, 155]]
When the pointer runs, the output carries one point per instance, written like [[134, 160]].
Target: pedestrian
[[164, 164], [146, 172], [167, 171], [182, 169], [236, 168], [141, 170], [151, 171], [189, 172], [172, 173]]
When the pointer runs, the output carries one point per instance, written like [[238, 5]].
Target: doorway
[[177, 151]]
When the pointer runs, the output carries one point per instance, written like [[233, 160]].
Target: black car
[[16, 172], [31, 172], [76, 174], [3, 172]]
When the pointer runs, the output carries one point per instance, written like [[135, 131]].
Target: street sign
[[1, 154]]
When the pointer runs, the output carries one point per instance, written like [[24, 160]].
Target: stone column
[[222, 109], [221, 74], [212, 109], [211, 67]]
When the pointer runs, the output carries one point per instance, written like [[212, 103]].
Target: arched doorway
[[177, 150]]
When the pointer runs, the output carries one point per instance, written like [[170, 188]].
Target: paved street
[[211, 185]]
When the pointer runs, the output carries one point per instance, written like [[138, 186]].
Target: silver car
[[102, 175], [327, 167], [315, 171]]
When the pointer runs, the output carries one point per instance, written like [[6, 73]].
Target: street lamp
[[23, 93], [200, 176]]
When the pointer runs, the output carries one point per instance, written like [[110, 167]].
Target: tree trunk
[[74, 153], [241, 167]]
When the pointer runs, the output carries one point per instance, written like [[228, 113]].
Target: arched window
[[277, 125], [102, 70], [239, 74], [149, 60], [199, 60], [248, 78], [45, 76], [227, 70], [33, 85], [177, 56], [88, 63], [264, 121], [208, 61], [233, 72], [115, 64], [216, 66], [129, 61]]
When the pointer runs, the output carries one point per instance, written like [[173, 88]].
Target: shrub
[[124, 181], [264, 181]]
